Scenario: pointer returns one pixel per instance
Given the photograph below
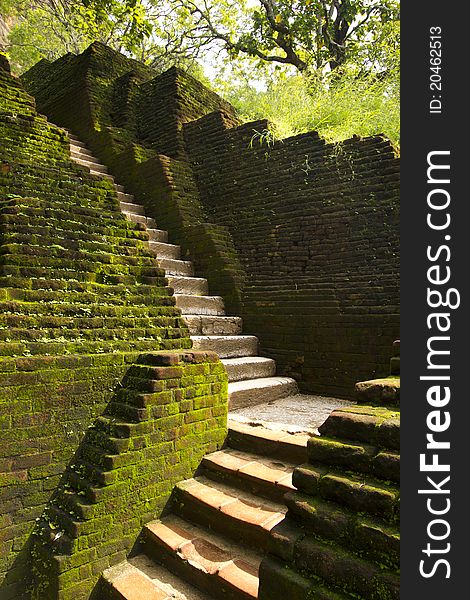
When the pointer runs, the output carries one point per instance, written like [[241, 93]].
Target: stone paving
[[298, 413]]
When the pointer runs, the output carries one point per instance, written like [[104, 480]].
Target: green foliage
[[339, 107], [310, 35], [50, 28]]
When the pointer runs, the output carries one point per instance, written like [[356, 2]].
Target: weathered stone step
[[75, 142], [354, 456], [135, 209], [204, 325], [119, 188], [355, 532], [165, 250], [124, 197], [194, 286], [76, 152], [237, 514], [277, 445], [200, 305], [157, 235], [259, 391], [256, 474], [227, 346], [90, 164], [249, 367], [395, 360], [343, 571], [102, 175], [147, 221], [176, 267], [375, 425], [220, 567], [379, 391], [279, 582], [359, 493], [140, 578]]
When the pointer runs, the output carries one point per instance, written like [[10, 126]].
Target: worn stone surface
[[379, 391], [299, 412]]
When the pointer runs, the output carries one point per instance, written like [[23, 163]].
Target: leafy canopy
[[330, 65]]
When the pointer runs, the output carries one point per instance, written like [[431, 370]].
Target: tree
[[306, 34], [50, 28]]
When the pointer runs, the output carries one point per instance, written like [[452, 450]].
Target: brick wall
[[76, 311], [316, 227], [300, 236], [169, 412]]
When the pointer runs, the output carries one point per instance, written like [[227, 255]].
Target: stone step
[[239, 515], [277, 445], [222, 568], [379, 391], [147, 221], [358, 533], [81, 153], [249, 367], [227, 346], [200, 305], [256, 474], [119, 188], [135, 209], [194, 286], [280, 582], [90, 164], [165, 250], [204, 325], [75, 142], [102, 175], [375, 425], [157, 235], [354, 456], [259, 391], [395, 360], [141, 579], [340, 570], [176, 267], [123, 197], [360, 493]]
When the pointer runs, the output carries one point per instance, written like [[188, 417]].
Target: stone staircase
[[212, 541], [252, 378]]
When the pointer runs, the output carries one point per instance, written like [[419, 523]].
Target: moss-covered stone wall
[[169, 412], [133, 121], [77, 308]]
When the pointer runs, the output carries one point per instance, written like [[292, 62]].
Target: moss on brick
[[115, 484], [76, 311]]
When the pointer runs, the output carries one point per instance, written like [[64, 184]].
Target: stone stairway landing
[[217, 532], [252, 379]]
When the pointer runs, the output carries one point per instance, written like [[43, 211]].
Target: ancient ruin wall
[[76, 311], [132, 119], [314, 269], [316, 226]]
